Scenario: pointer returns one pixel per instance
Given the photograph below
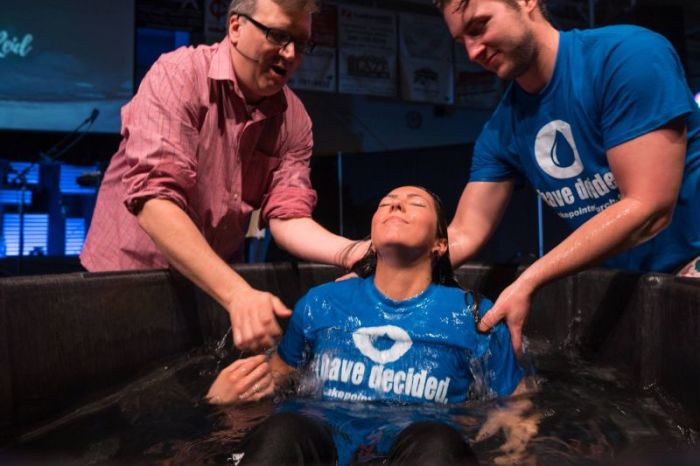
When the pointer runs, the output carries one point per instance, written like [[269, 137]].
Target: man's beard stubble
[[523, 56]]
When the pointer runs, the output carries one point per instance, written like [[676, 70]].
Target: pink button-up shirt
[[188, 137]]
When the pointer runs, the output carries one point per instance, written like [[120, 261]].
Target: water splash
[[222, 343]]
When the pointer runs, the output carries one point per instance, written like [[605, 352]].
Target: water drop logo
[[555, 151], [366, 337], [562, 154]]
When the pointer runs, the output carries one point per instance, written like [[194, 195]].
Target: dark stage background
[[69, 65]]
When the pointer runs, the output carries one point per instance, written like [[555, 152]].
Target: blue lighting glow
[[75, 235], [68, 179], [32, 176], [697, 99], [36, 234]]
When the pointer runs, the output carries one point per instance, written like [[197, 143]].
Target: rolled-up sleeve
[[161, 138], [290, 194]]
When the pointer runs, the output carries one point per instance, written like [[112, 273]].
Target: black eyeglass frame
[[281, 38]]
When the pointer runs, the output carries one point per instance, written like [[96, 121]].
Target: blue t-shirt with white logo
[[609, 85], [363, 346], [353, 344]]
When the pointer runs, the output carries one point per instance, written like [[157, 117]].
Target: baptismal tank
[[110, 368]]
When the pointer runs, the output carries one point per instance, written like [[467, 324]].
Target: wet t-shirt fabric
[[609, 85], [353, 344], [361, 345]]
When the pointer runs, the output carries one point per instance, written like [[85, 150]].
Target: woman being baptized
[[403, 331]]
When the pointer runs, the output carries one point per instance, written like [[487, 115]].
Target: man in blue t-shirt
[[602, 124]]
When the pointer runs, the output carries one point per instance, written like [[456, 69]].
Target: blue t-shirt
[[362, 346], [609, 85], [355, 344]]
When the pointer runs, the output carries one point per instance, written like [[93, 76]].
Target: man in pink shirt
[[212, 134]]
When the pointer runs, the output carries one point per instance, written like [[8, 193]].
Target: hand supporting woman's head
[[409, 225]]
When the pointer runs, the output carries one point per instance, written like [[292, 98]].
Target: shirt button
[[235, 197]]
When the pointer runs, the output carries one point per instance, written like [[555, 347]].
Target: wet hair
[[442, 273], [247, 7], [462, 4]]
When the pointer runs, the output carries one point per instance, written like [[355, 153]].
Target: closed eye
[[476, 27]]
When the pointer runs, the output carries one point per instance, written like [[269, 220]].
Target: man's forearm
[[621, 226], [463, 245], [479, 212], [308, 240], [183, 245]]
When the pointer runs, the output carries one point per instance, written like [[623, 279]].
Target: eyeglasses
[[281, 38]]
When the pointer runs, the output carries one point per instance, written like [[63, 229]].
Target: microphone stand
[[54, 153]]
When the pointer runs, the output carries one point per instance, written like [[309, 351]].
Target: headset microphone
[[248, 57]]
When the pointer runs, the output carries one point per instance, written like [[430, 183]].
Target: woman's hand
[[246, 380]]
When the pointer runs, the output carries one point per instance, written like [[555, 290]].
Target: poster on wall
[[215, 20], [317, 70], [425, 60], [474, 86], [367, 51]]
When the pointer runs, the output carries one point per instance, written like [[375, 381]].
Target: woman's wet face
[[407, 218]]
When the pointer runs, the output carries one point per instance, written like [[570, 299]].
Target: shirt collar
[[405, 305], [221, 69]]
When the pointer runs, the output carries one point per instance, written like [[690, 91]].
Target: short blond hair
[[247, 7]]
